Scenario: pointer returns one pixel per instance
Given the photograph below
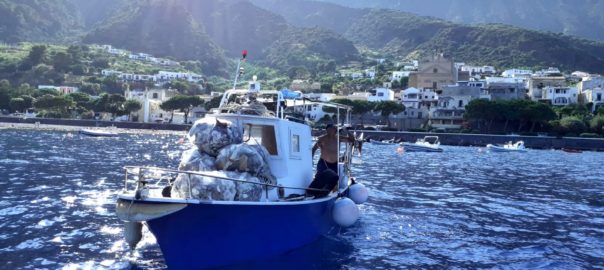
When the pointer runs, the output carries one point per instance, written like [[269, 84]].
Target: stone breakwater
[[455, 139], [95, 123]]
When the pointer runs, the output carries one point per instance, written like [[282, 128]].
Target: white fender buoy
[[133, 232], [345, 212], [358, 193]]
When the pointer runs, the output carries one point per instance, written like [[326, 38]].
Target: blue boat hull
[[209, 235]]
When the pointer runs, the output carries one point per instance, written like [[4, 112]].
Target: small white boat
[[508, 147], [386, 142], [97, 133], [427, 144]]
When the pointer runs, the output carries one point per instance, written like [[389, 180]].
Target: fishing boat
[[427, 144], [197, 233], [508, 147], [98, 133]]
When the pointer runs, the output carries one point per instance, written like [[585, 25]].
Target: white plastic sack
[[203, 188], [210, 135], [246, 158], [193, 160]]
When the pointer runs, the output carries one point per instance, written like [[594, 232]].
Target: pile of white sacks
[[219, 151]]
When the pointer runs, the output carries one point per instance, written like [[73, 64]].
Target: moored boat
[[98, 133], [508, 147], [571, 150], [385, 142], [427, 144]]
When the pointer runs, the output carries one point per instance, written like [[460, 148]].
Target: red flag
[[244, 53]]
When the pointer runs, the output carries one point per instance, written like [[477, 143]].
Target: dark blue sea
[[461, 209]]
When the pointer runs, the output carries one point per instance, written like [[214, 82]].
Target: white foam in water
[[31, 244], [11, 211], [69, 199], [44, 261], [89, 246], [110, 230], [44, 223], [38, 188]]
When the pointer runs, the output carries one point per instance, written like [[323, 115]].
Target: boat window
[[295, 143], [263, 135]]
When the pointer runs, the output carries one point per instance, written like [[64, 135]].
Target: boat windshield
[[256, 134]]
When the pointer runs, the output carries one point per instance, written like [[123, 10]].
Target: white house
[[478, 70], [513, 73], [151, 100], [381, 94], [560, 96], [590, 83], [448, 114], [551, 71], [595, 96], [61, 89], [168, 76], [398, 75]]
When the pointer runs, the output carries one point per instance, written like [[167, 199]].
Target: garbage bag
[[246, 158], [194, 160], [247, 191], [211, 134], [211, 188], [190, 186]]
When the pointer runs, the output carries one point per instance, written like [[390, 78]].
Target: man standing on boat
[[328, 144]]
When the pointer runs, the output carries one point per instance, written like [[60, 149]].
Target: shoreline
[[452, 139], [76, 129]]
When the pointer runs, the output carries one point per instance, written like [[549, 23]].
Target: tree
[[53, 103], [170, 105], [131, 106], [82, 100], [18, 105], [183, 103], [386, 108], [213, 103], [475, 110], [597, 124], [36, 55], [540, 113], [573, 124], [61, 61]]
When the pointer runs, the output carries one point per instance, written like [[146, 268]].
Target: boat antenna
[[239, 71]]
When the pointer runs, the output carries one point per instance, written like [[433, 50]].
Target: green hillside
[[162, 28], [312, 48], [37, 20]]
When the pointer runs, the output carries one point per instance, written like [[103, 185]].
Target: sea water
[[464, 208]]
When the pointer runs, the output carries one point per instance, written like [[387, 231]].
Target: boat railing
[[145, 173]]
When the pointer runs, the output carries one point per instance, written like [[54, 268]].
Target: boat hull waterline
[[419, 148], [494, 148], [97, 133], [213, 234]]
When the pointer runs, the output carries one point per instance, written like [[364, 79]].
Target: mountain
[[162, 28], [238, 25], [313, 48], [303, 13], [582, 18], [406, 35], [93, 12], [34, 20]]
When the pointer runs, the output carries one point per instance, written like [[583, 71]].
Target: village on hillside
[[433, 91]]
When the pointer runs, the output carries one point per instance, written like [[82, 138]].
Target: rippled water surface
[[464, 208]]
